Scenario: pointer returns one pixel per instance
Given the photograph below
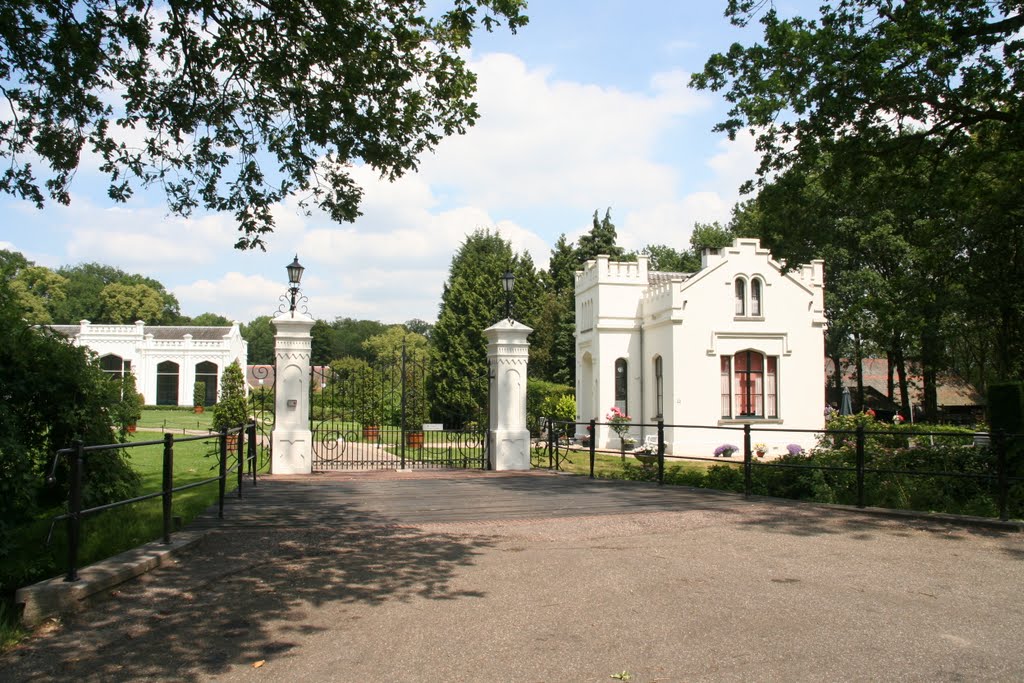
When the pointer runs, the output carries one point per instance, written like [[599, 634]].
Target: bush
[[51, 393], [232, 410], [542, 400]]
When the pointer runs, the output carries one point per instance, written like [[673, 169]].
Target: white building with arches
[[167, 359], [737, 342]]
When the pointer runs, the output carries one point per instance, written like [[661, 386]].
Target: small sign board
[[432, 427]]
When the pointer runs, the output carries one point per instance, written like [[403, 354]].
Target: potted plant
[[128, 409], [232, 410], [726, 450], [620, 422], [761, 449], [198, 396]]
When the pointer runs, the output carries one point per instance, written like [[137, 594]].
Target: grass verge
[[110, 532]]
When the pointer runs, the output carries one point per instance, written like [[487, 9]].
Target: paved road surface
[[485, 577]]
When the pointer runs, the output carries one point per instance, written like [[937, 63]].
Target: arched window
[[755, 296], [741, 296], [621, 376], [115, 366], [659, 387], [206, 372], [167, 383], [749, 386]]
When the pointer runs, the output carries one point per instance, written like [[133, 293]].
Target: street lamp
[[295, 270], [508, 280]]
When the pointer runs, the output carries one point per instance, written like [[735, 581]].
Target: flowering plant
[[760, 447], [795, 449], [618, 421], [726, 450]]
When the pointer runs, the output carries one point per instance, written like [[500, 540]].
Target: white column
[[291, 438], [507, 354]]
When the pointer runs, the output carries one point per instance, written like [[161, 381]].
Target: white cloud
[[234, 295], [544, 141]]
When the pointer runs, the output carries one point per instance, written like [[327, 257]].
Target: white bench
[[650, 445]]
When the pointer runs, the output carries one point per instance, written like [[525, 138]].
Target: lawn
[[154, 417]]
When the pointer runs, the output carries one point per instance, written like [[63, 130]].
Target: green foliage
[[127, 411], [38, 289], [280, 100], [51, 393], [340, 339], [472, 301], [199, 394], [602, 239], [85, 300], [208, 320], [232, 410], [665, 259], [259, 333], [544, 399], [891, 147]]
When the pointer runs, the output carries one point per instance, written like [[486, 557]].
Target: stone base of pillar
[[292, 452], [510, 449]]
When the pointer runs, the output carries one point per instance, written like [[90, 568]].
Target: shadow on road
[[219, 605]]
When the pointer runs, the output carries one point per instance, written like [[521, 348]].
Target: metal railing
[[556, 449], [76, 454]]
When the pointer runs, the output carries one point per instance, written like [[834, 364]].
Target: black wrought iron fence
[[241, 439], [858, 466]]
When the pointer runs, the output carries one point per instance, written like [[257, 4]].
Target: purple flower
[[726, 449], [795, 449]]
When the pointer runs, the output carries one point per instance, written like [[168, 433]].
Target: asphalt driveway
[[485, 577]]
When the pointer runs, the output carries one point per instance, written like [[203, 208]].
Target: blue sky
[[586, 108]]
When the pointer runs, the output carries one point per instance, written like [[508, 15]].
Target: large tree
[[85, 298], [881, 73], [233, 106], [886, 131], [472, 301]]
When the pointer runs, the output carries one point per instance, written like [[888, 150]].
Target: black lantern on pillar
[[508, 281], [295, 271]]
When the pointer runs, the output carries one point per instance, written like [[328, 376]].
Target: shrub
[[51, 393], [232, 410]]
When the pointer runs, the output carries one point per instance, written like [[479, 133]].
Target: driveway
[[539, 577]]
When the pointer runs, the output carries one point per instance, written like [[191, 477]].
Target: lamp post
[[295, 270], [508, 280]]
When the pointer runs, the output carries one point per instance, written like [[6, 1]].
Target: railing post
[[240, 460], [860, 466], [75, 510], [223, 470], [552, 440], [593, 445], [999, 443], [252, 451], [660, 452], [168, 484], [747, 464]]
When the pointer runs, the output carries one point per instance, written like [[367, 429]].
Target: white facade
[[736, 342], [166, 360]]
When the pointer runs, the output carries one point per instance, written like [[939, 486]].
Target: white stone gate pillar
[[291, 438], [507, 354]]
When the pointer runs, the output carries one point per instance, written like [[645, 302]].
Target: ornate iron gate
[[366, 416], [261, 407]]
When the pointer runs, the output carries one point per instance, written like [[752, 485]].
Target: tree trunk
[[859, 357], [930, 353], [901, 373]]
